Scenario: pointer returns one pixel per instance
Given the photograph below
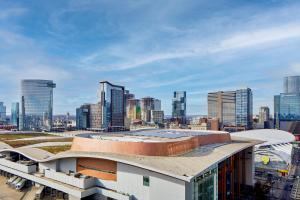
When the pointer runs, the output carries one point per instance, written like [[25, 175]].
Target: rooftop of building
[[269, 136], [136, 148], [184, 166], [104, 81], [150, 135]]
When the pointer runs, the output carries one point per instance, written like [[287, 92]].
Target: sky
[[151, 47]]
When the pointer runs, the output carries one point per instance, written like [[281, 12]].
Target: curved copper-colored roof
[[165, 147]]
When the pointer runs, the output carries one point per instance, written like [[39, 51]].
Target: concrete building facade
[[148, 104], [152, 164], [231, 108], [264, 114], [157, 116]]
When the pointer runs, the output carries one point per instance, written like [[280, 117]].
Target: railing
[[18, 166], [80, 182]]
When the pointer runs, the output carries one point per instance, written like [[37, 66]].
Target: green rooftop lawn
[[15, 136], [22, 143], [56, 149]]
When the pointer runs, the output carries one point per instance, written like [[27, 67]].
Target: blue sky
[[151, 47]]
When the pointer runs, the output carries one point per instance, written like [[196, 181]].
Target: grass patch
[[22, 143], [56, 149], [15, 136]]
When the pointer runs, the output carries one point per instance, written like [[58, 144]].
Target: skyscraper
[[2, 112], [83, 117], [244, 108], [231, 108], [221, 105], [264, 114], [179, 106], [291, 84], [157, 116], [133, 109], [287, 104], [112, 105], [14, 117], [148, 104], [36, 104], [95, 116]]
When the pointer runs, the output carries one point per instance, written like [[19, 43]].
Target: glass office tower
[[287, 104], [14, 117], [2, 112], [82, 117], [36, 105], [179, 106], [291, 84], [112, 105], [244, 108], [289, 109]]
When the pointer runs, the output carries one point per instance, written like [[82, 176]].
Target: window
[[146, 181]]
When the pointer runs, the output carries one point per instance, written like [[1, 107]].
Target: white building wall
[[66, 165], [130, 180], [48, 165], [249, 166]]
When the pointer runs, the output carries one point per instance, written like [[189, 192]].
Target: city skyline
[[199, 47]]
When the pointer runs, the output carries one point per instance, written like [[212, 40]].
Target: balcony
[[80, 181], [26, 167]]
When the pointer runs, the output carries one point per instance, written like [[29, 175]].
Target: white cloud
[[258, 37], [12, 12], [158, 83], [14, 39], [33, 71]]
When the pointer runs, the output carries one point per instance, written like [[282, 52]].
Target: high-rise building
[[2, 113], [14, 116], [231, 108], [148, 104], [291, 84], [112, 105], [88, 116], [133, 109], [221, 105], [157, 116], [287, 105], [36, 104], [95, 116], [83, 117], [264, 114], [157, 104], [179, 106], [127, 96], [244, 108]]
